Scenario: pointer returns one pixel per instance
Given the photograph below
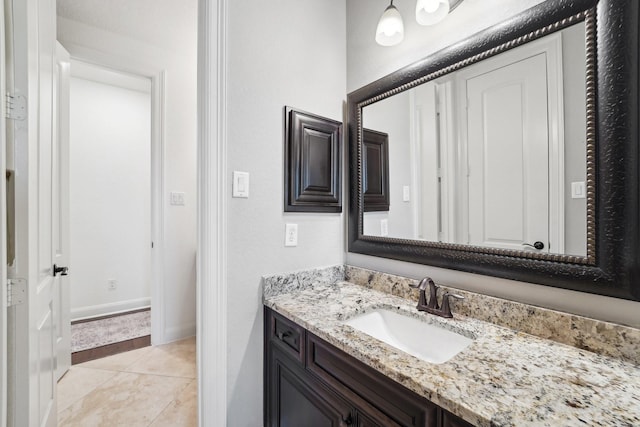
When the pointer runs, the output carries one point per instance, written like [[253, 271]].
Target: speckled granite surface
[[278, 283], [504, 378], [600, 337]]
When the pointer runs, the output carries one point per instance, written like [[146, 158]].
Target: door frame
[[213, 193], [158, 108]]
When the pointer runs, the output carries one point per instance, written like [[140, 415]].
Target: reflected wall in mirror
[[493, 154]]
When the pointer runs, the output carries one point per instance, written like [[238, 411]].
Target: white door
[[508, 156], [60, 188], [32, 390]]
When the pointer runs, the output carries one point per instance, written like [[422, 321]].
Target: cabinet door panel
[[297, 400]]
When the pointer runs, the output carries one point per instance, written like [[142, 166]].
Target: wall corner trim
[[212, 195]]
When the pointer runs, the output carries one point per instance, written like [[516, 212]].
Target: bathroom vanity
[[313, 383], [319, 370]]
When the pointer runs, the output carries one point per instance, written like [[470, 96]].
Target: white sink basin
[[420, 339]]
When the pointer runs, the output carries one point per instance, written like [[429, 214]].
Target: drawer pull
[[283, 335]]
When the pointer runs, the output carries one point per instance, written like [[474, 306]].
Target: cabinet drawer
[[286, 335], [340, 370]]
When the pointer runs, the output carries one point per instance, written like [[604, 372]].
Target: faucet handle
[[446, 308]]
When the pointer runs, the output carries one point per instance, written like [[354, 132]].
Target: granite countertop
[[504, 378]]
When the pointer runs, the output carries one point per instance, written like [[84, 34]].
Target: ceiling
[[158, 22]]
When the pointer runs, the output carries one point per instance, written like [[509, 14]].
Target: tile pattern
[[96, 333], [151, 386], [504, 378], [597, 336]]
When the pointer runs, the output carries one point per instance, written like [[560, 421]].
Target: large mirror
[[513, 153], [492, 154]]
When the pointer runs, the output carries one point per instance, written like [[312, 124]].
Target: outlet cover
[[291, 235]]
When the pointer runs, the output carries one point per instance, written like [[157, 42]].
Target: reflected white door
[[508, 155], [60, 219], [32, 387]]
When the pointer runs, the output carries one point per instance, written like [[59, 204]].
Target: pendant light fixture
[[430, 12], [390, 30]]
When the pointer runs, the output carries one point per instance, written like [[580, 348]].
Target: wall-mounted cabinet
[[309, 382]]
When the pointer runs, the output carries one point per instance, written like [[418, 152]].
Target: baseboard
[[108, 309], [110, 316], [178, 333]]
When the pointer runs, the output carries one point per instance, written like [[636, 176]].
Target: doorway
[[110, 211], [119, 48]]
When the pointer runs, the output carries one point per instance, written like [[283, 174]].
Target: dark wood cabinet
[[301, 401], [309, 382], [375, 151]]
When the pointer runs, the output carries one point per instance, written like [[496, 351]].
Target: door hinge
[[16, 106], [16, 291]]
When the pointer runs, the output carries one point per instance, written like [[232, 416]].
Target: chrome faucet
[[432, 306]]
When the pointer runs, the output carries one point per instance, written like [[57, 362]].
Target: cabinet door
[[450, 420], [295, 399]]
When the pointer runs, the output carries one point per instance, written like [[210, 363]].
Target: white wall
[[575, 137], [366, 62], [289, 53], [110, 197], [144, 39], [391, 116]]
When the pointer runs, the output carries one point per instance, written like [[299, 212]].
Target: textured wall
[[289, 53]]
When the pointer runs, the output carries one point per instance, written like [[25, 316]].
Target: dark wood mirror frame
[[612, 264]]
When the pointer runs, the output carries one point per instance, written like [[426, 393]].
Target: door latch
[[61, 270]]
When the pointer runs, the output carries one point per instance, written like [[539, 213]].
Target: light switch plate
[[241, 184], [578, 190], [176, 198], [384, 227], [291, 235]]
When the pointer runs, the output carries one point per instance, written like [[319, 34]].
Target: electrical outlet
[[406, 193], [291, 235], [384, 227], [112, 284]]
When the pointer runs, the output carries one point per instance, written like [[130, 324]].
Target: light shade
[[430, 12], [390, 30]]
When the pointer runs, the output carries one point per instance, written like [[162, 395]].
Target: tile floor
[[151, 386]]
